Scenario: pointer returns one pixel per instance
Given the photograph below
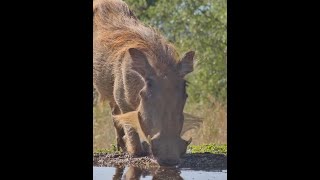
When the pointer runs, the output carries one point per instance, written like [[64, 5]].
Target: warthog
[[141, 75]]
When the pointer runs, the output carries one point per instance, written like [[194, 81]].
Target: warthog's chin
[[165, 162], [168, 162]]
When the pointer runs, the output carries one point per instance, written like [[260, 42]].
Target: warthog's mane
[[120, 30]]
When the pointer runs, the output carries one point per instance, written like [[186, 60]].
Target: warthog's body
[[139, 73]]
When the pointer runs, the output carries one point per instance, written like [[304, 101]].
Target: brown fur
[[139, 73]]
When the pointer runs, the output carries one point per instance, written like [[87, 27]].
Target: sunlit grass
[[103, 130], [214, 126], [209, 148]]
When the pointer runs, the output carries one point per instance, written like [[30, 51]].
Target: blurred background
[[199, 25]]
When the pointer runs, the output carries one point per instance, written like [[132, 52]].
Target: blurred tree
[[199, 25]]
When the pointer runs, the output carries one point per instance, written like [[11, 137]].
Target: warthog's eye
[[149, 82]]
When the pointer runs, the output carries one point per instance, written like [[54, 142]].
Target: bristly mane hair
[[119, 30]]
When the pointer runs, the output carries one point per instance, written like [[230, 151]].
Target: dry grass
[[103, 131], [214, 126], [212, 130]]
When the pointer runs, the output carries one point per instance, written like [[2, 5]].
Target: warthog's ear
[[185, 66], [139, 62]]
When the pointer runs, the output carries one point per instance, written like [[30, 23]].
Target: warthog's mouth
[[164, 163], [167, 163]]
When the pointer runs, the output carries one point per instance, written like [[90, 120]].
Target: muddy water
[[103, 173]]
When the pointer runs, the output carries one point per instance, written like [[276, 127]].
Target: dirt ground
[[204, 161]]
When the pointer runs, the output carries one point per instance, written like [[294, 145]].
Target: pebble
[[193, 161]]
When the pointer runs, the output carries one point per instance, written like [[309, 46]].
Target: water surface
[[103, 173]]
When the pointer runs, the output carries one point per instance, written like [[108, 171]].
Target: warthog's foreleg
[[146, 148], [119, 136], [133, 144], [119, 130]]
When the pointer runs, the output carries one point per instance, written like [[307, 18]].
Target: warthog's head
[[162, 100]]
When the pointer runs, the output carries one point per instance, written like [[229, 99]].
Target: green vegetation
[[112, 149], [209, 148]]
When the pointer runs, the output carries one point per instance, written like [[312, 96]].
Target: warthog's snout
[[166, 150]]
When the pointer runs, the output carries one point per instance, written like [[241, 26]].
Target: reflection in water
[[134, 173], [156, 173], [167, 173], [118, 174]]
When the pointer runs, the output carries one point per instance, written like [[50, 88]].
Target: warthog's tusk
[[149, 139], [189, 141]]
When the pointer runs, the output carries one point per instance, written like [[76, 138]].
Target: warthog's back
[[116, 30]]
